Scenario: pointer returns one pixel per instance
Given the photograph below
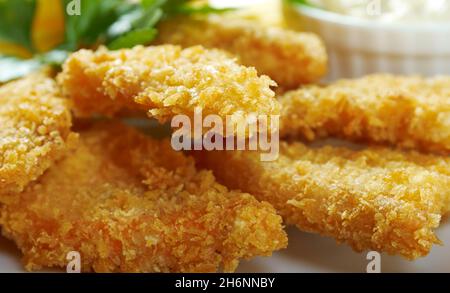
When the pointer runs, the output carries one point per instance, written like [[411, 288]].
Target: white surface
[[306, 253], [390, 10]]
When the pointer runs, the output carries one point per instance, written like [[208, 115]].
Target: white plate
[[307, 253]]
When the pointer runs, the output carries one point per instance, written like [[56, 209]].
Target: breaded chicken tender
[[377, 198], [290, 58], [166, 81], [410, 112], [129, 203], [34, 130]]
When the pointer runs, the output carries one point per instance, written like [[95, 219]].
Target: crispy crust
[[35, 130], [166, 81], [290, 58], [410, 112], [129, 203], [376, 199]]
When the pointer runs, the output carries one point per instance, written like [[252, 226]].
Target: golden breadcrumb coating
[[128, 203], [34, 130], [410, 112], [290, 58], [166, 81], [377, 198]]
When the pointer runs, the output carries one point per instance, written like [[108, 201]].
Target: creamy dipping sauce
[[390, 10]]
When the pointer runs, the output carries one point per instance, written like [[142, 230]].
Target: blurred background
[[362, 36]]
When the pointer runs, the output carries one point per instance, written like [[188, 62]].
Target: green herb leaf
[[174, 7], [133, 38], [91, 26], [16, 20], [117, 23], [302, 2]]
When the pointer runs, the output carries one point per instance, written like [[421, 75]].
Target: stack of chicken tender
[[73, 177]]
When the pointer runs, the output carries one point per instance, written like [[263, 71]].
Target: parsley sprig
[[302, 2], [114, 23]]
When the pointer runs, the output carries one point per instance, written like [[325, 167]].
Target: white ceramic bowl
[[358, 47]]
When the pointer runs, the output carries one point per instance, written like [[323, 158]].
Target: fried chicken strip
[[377, 198], [290, 58], [166, 81], [410, 112], [128, 203], [34, 130]]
